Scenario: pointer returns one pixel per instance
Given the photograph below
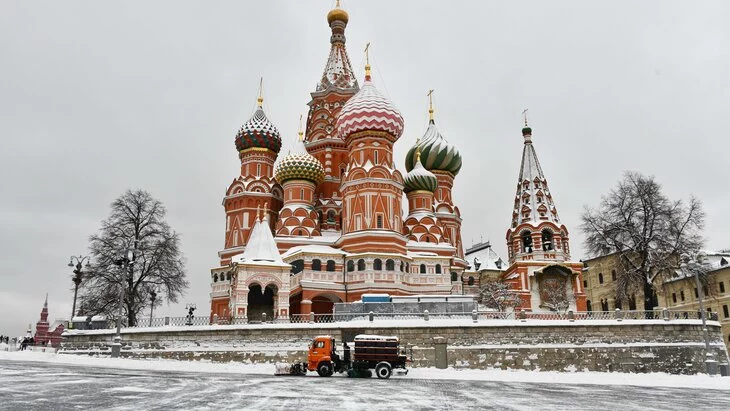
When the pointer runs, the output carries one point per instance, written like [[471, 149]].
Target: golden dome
[[337, 14]]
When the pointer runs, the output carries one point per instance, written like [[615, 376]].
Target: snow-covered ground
[[577, 378]]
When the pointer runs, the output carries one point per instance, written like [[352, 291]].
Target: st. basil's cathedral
[[325, 224]]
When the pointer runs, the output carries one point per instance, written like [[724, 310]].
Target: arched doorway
[[324, 303], [261, 301]]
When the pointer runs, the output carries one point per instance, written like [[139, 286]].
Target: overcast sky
[[99, 97]]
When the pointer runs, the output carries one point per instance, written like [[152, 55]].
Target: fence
[[474, 316]]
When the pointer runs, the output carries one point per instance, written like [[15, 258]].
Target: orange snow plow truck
[[371, 352]]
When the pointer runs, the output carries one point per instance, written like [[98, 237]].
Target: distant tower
[[258, 143], [444, 161], [337, 85], [372, 189], [537, 241], [42, 326]]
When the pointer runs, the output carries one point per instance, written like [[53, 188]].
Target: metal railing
[[475, 316]]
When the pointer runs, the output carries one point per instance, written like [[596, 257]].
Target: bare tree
[[553, 295], [497, 295], [649, 231], [134, 252]]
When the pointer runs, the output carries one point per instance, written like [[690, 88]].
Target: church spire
[[338, 72], [533, 201], [430, 106]]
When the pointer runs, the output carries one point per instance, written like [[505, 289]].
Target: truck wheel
[[383, 370], [324, 369]]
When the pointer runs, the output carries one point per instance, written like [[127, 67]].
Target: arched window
[[215, 278], [613, 275], [471, 280], [330, 265], [526, 242], [390, 265], [600, 278], [408, 267], [331, 216], [547, 240], [402, 266], [316, 265], [438, 268], [361, 265], [423, 268], [378, 264], [454, 276], [228, 276], [297, 266], [350, 266], [588, 305]]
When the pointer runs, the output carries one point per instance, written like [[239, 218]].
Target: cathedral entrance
[[261, 301], [324, 303]]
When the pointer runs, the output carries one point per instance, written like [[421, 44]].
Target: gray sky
[[98, 97]]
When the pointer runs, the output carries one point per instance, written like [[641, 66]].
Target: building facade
[[335, 205]]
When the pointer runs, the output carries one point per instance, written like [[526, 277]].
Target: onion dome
[[337, 14], [369, 110], [436, 152], [300, 165], [419, 178], [258, 132]]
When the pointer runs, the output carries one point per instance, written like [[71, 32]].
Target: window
[[681, 295], [316, 265], [585, 283], [228, 277], [674, 298], [376, 156], [258, 169], [423, 268], [725, 311], [379, 220], [319, 344], [696, 293], [704, 290], [390, 265], [471, 280], [454, 276], [378, 264], [613, 275], [301, 194], [330, 265], [600, 278], [588, 306], [438, 268], [547, 240], [350, 266], [722, 287], [361, 265], [526, 242], [297, 266], [215, 278]]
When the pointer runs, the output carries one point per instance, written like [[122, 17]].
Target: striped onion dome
[[419, 179], [299, 166], [369, 110], [258, 132], [436, 152]]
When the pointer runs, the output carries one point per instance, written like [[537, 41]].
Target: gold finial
[[266, 210], [258, 212], [430, 105], [260, 100], [337, 5], [301, 133], [524, 115], [367, 61], [418, 155]]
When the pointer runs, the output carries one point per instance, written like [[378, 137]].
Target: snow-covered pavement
[[35, 380]]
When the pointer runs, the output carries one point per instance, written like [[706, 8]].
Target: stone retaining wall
[[675, 346]]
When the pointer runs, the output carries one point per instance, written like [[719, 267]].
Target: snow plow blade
[[295, 369]]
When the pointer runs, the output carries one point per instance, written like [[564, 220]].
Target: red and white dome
[[368, 110]]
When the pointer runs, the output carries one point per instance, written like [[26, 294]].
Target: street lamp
[[77, 278], [125, 264], [153, 297], [696, 265], [190, 307]]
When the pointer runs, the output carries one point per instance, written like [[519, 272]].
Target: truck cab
[[323, 357]]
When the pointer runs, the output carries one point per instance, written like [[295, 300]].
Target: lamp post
[[190, 307], [78, 274], [153, 297], [696, 265], [125, 264]]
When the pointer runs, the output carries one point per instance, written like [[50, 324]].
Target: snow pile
[[574, 378]]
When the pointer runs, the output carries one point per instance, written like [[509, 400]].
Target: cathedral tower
[[258, 143], [372, 188], [537, 243], [421, 224], [337, 85]]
